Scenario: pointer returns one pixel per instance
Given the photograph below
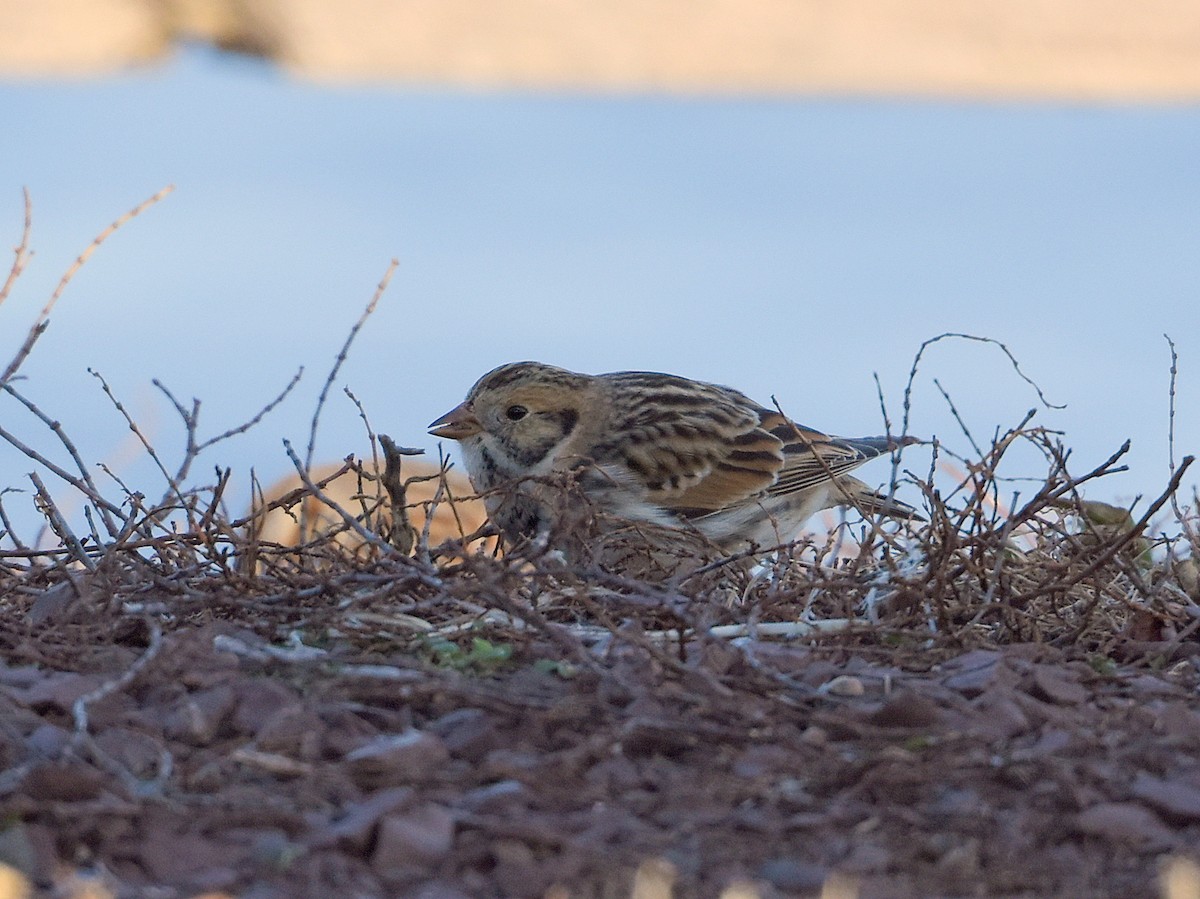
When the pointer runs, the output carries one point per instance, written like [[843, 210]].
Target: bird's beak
[[457, 424]]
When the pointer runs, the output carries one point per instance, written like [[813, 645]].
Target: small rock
[[906, 710], [344, 731], [397, 759], [467, 733], [502, 796], [293, 730], [1000, 717], [422, 836], [1056, 685], [193, 858], [961, 860], [57, 603], [814, 736], [257, 701], [1124, 822], [137, 752], [844, 685], [793, 876], [867, 858], [643, 736], [268, 846], [1172, 797], [509, 763], [512, 852], [1052, 741], [21, 676], [207, 777], [354, 829], [517, 872], [57, 691], [63, 782], [199, 717], [17, 853], [48, 740], [974, 672]]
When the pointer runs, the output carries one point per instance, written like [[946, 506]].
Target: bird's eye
[[516, 413]]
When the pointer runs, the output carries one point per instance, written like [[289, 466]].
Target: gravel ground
[[310, 745]]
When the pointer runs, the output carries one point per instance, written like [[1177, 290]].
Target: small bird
[[545, 446]]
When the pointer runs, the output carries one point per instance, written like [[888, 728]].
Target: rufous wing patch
[[737, 468]]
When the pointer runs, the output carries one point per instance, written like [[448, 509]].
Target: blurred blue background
[[788, 247]]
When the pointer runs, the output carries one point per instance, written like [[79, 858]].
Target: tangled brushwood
[[1059, 569], [409, 538], [355, 669]]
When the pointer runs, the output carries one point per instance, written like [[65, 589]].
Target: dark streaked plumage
[[650, 447]]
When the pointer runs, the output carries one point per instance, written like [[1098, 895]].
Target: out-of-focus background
[[787, 196]]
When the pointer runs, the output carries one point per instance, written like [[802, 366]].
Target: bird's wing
[[695, 450], [736, 467], [812, 458]]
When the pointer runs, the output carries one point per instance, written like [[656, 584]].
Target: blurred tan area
[[446, 504], [1094, 50]]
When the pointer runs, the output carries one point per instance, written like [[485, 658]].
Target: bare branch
[[92, 492], [1171, 434], [912, 373], [39, 325], [79, 484], [351, 522], [341, 358], [22, 253], [256, 418], [59, 524], [173, 486]]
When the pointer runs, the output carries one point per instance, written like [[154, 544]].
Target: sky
[[794, 248]]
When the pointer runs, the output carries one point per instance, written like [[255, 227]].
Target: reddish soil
[[208, 755]]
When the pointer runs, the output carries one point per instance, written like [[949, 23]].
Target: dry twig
[[40, 323]]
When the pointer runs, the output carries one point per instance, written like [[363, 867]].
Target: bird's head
[[523, 413]]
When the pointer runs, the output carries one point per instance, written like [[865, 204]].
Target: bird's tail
[[874, 446], [872, 502]]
